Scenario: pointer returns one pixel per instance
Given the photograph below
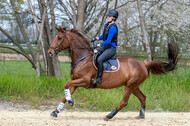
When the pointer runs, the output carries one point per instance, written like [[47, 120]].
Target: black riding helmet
[[113, 13]]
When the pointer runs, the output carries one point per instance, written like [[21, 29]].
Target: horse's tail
[[158, 67]]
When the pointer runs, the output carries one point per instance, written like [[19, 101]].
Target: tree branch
[[23, 31], [87, 29], [98, 31], [68, 13], [26, 56], [125, 4], [115, 4]]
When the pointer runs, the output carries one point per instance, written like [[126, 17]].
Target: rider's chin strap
[[111, 21]]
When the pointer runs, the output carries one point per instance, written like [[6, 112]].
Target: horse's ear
[[58, 29], [61, 29]]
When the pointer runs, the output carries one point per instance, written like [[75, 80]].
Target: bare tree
[[144, 30], [47, 38], [20, 24], [39, 40], [55, 60], [53, 65], [85, 14]]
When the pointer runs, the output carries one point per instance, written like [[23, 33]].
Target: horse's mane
[[82, 37]]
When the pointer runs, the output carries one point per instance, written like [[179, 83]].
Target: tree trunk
[[116, 1], [47, 36], [161, 41], [74, 14], [52, 18], [49, 59], [40, 40], [80, 15], [154, 43], [55, 60], [143, 30], [151, 41], [20, 24]]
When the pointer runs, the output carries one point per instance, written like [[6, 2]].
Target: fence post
[[18, 56]]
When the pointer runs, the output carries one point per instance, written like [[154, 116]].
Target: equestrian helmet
[[113, 13]]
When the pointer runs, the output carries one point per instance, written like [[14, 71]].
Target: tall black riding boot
[[98, 79]]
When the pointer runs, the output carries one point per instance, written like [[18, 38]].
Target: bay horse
[[132, 72]]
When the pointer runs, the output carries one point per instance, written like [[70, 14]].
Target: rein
[[84, 57], [74, 65]]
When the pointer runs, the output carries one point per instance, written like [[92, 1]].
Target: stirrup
[[97, 81]]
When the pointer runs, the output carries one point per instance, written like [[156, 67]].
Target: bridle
[[59, 48]]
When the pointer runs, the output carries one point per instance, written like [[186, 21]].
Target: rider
[[109, 43]]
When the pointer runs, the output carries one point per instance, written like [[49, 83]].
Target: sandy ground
[[42, 118], [20, 115]]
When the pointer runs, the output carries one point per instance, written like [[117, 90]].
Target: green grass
[[169, 92], [15, 67]]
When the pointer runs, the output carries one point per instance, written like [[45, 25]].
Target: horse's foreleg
[[68, 95], [73, 83], [61, 104], [137, 92], [122, 104], [70, 88]]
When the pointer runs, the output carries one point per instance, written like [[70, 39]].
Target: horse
[[132, 72]]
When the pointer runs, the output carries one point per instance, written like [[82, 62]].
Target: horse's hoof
[[106, 118], [71, 102], [54, 114], [139, 117]]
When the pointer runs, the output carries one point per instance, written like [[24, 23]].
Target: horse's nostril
[[50, 54]]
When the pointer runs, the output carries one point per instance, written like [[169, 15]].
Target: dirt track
[[22, 117]]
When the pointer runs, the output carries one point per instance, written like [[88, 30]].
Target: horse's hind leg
[[137, 92], [122, 104]]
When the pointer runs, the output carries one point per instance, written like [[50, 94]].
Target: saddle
[[110, 65]]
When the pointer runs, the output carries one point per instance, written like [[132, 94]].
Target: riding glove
[[95, 46], [94, 39]]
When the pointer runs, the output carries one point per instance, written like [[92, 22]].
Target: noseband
[[59, 46]]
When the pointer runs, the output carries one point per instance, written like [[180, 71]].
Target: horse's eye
[[59, 38]]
